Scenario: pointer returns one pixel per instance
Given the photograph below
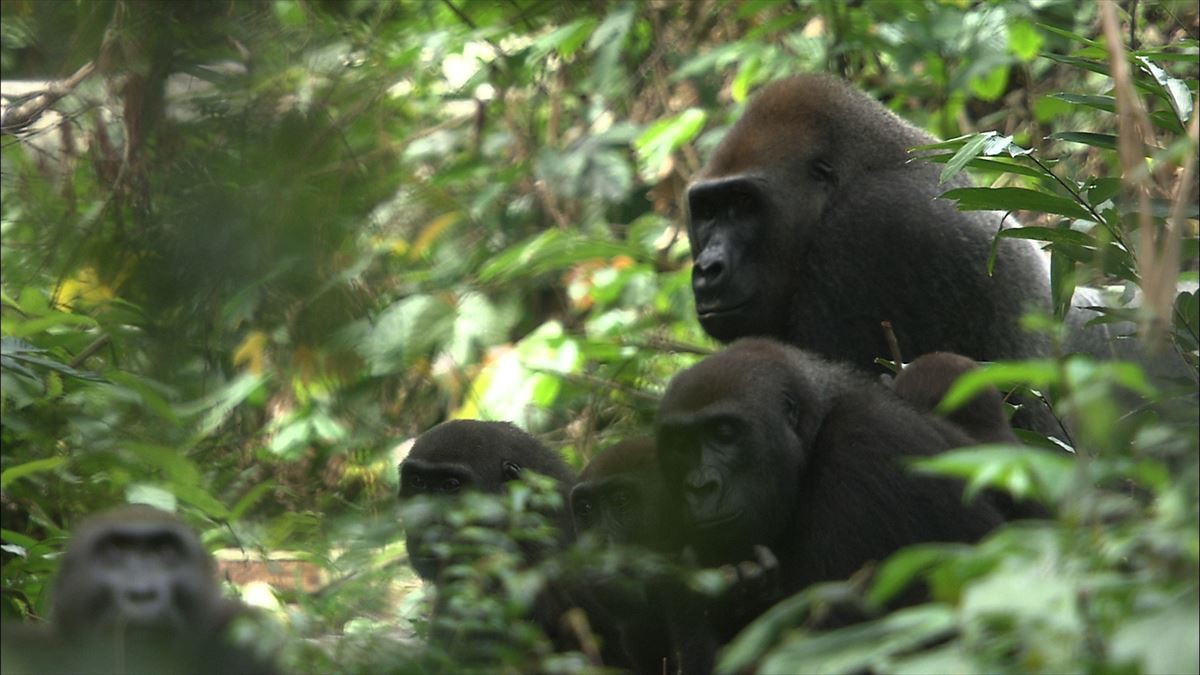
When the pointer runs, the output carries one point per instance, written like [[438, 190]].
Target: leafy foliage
[[262, 244]]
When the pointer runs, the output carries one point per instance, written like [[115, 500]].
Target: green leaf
[[1177, 92], [552, 250], [965, 154], [1023, 471], [150, 495], [1053, 235], [1087, 64], [755, 639], [1162, 640], [660, 139], [44, 323], [251, 498], [614, 28], [566, 40], [996, 165], [28, 469], [857, 648], [1039, 374], [1073, 37], [1024, 41], [1104, 141], [1015, 199], [902, 569], [198, 497]]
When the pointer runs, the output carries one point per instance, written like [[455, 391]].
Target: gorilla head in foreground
[[137, 592]]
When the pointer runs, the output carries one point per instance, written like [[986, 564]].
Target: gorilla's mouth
[[714, 308], [717, 522]]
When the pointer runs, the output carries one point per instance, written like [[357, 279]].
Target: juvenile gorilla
[[136, 593], [927, 380], [763, 445], [618, 496], [811, 225], [618, 500], [473, 455]]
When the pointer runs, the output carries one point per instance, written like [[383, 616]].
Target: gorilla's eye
[[417, 481], [109, 552], [511, 470], [166, 549], [822, 171], [451, 485], [583, 508], [725, 431], [620, 502]]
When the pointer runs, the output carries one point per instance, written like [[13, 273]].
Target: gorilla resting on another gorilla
[[136, 593], [811, 225], [927, 380], [765, 445]]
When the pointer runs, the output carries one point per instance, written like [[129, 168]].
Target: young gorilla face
[[763, 444], [136, 593], [927, 380], [618, 496], [730, 450], [136, 568], [467, 455]]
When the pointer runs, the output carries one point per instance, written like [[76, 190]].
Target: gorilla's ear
[[512, 470]]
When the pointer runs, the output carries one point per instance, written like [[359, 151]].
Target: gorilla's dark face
[[464, 456], [619, 497], [731, 450], [137, 568], [748, 224]]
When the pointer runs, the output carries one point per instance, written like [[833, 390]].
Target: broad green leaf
[[566, 40], [1104, 141], [1022, 471], [1015, 199], [52, 320], [613, 29], [996, 165], [904, 568], [857, 648], [1176, 90], [150, 495], [552, 250], [201, 499], [1024, 41], [28, 469], [252, 497], [965, 154], [1105, 103], [1053, 235], [1073, 37], [1086, 64], [1039, 374], [1161, 640], [663, 137]]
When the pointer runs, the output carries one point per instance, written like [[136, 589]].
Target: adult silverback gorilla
[[136, 592], [462, 455], [763, 445], [811, 225]]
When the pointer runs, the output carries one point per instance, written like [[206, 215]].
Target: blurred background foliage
[[260, 245]]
